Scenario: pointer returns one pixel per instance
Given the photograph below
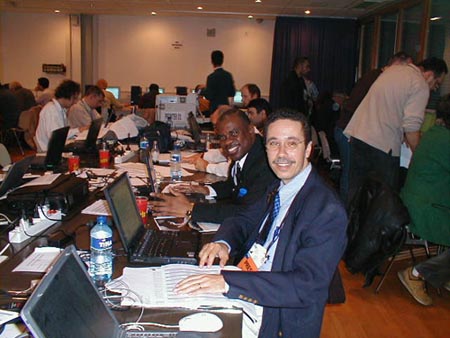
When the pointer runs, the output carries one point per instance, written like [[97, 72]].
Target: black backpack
[[158, 131]]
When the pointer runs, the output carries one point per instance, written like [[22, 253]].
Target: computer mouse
[[201, 322]]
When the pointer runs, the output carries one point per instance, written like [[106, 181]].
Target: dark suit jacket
[[292, 93], [219, 87], [310, 246], [256, 176]]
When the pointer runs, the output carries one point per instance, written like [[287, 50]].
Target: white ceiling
[[220, 8]]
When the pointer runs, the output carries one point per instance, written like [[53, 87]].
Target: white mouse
[[201, 322]]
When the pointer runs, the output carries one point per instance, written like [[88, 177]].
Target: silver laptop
[[66, 304]]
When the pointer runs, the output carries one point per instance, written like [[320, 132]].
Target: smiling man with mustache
[[248, 179], [287, 244]]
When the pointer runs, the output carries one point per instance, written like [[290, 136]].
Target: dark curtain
[[330, 45]]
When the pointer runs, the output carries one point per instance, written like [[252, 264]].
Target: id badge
[[253, 260]]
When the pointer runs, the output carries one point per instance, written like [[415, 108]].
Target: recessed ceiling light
[[250, 16], [307, 12], [153, 13], [258, 1], [434, 18], [57, 11], [199, 8]]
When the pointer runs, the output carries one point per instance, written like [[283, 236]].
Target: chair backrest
[[326, 152], [5, 159], [314, 138]]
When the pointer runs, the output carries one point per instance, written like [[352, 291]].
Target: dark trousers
[[436, 270], [344, 153], [365, 160]]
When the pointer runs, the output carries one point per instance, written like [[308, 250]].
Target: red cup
[[74, 163], [142, 203], [104, 158]]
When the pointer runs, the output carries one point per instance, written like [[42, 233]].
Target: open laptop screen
[[13, 177], [122, 203], [67, 304]]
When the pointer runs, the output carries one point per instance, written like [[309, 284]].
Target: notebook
[[147, 246], [13, 177], [66, 304], [54, 152], [90, 144]]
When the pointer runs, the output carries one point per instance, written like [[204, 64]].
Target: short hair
[[94, 90], [153, 87], [443, 110], [44, 82], [67, 89], [293, 115], [234, 111], [217, 58], [436, 65], [260, 104], [300, 60], [253, 89], [400, 56]]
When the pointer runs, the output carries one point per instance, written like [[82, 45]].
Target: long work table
[[74, 229]]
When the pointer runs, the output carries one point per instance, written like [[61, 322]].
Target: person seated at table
[[42, 91], [249, 91], [250, 174], [148, 100], [426, 192], [288, 243], [82, 113], [54, 114], [258, 110], [110, 99]]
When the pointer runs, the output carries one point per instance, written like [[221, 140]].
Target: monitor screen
[[238, 97], [115, 91], [161, 90]]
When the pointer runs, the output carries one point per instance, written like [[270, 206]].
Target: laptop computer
[[196, 133], [54, 153], [13, 177], [66, 304], [142, 245], [90, 144]]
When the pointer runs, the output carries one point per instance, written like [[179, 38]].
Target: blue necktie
[[262, 237]]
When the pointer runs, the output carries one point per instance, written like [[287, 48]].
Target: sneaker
[[447, 286], [415, 286]]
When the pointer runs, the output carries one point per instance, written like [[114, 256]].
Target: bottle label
[[101, 243], [174, 157], [143, 144]]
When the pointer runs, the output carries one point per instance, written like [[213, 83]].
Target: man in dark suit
[[293, 93], [243, 186], [287, 262], [219, 84]]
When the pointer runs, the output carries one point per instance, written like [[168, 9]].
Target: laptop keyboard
[[138, 334], [156, 245]]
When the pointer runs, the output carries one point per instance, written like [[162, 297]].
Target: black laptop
[[142, 245], [90, 144], [66, 304], [196, 133], [55, 149], [13, 177]]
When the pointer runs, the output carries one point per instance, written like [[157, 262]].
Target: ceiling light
[[434, 18], [199, 8], [307, 12], [153, 13], [250, 17], [57, 11], [258, 1]]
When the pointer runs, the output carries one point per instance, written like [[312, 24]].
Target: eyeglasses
[[289, 145], [233, 134]]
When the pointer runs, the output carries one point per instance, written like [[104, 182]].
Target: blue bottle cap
[[242, 192]]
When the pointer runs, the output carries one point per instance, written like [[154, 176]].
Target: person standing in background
[[220, 88]]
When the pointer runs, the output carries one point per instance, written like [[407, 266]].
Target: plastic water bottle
[[155, 152], [175, 163], [143, 148], [101, 266]]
